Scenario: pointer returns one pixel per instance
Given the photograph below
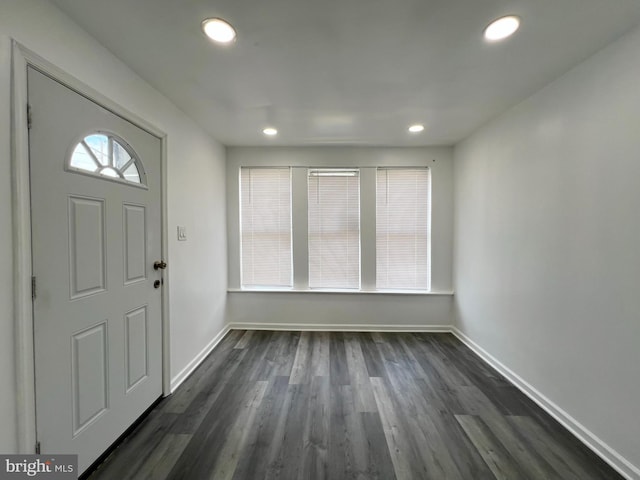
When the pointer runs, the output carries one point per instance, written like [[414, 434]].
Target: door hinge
[[37, 448], [29, 117], [33, 287]]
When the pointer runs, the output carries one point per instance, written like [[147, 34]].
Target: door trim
[[22, 57]]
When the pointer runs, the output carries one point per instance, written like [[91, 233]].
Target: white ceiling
[[350, 71]]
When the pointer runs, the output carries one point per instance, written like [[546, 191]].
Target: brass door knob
[[159, 264]]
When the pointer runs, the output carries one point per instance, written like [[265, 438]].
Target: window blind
[[265, 227], [403, 213], [334, 228]]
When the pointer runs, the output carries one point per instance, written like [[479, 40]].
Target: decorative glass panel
[[131, 174], [107, 156], [120, 155], [81, 159], [109, 172], [99, 145]]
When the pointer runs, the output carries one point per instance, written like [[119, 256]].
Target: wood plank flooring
[[318, 405]]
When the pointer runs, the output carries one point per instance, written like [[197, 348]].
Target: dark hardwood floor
[[315, 405]]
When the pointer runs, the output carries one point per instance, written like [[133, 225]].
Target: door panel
[[89, 367], [97, 315], [136, 353], [135, 241], [87, 255]]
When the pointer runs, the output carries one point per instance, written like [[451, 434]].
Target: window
[[334, 228], [265, 227], [402, 228], [364, 228], [106, 156]]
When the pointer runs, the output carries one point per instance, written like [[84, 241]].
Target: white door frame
[[21, 199]]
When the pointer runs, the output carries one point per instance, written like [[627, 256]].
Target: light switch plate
[[182, 234]]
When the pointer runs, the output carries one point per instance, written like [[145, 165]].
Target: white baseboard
[[197, 360], [338, 327], [604, 451]]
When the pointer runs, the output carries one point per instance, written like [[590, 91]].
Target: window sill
[[348, 292]]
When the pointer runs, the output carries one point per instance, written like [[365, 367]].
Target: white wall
[[356, 308], [547, 261], [7, 378], [196, 191], [198, 266], [338, 311]]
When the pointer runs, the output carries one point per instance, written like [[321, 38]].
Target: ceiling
[[350, 72]]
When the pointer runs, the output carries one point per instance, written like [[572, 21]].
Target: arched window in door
[[105, 155]]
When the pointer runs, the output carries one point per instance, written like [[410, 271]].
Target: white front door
[[96, 232]]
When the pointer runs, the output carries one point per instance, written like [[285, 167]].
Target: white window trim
[[346, 292]]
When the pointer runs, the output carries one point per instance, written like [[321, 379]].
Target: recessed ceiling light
[[218, 30], [502, 28], [270, 131], [416, 128]]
